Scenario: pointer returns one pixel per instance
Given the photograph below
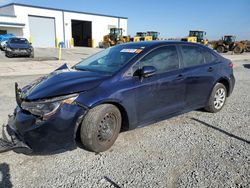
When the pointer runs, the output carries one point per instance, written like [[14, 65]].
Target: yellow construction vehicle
[[142, 36], [114, 37], [155, 35], [229, 43], [196, 36], [146, 36]]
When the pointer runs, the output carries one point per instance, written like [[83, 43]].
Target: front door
[[163, 93]]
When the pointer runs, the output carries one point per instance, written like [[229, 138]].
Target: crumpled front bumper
[[11, 141], [26, 133]]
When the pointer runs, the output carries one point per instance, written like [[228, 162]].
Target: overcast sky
[[172, 18]]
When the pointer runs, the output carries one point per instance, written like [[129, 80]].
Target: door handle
[[179, 77], [210, 69]]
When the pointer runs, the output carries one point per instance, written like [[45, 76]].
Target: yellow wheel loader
[[115, 37], [142, 36], [155, 35], [196, 36], [229, 43], [146, 36]]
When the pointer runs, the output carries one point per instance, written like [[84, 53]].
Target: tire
[[100, 128], [31, 55], [217, 98], [220, 49], [237, 50], [9, 55]]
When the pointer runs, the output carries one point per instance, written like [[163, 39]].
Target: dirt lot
[[196, 149]]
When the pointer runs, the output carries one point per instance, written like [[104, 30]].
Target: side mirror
[[148, 71]]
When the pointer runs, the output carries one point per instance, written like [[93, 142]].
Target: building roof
[[10, 24], [62, 10]]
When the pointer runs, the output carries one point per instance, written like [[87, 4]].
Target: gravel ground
[[196, 149]]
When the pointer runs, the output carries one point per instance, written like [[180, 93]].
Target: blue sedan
[[121, 88]]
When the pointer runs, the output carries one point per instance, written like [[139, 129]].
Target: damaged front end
[[42, 126], [48, 111], [11, 141]]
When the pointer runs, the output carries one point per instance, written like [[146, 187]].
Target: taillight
[[231, 65]]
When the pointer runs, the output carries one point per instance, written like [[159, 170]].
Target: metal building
[[47, 27]]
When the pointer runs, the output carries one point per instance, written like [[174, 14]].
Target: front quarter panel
[[113, 91]]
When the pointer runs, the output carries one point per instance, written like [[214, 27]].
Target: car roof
[[149, 44]]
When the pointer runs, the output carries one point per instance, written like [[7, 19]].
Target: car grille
[[21, 50]]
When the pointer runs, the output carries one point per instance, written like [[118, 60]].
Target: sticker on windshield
[[137, 51]]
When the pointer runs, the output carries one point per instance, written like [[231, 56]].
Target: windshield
[[229, 39], [198, 34], [18, 41], [153, 34], [116, 31], [110, 60], [140, 34]]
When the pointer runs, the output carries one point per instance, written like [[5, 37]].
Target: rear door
[[199, 75]]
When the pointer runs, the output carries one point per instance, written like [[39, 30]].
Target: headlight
[[46, 108]]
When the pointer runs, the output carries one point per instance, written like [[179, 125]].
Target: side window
[[209, 57], [192, 56], [163, 59]]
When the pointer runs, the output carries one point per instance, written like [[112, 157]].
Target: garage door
[[42, 30]]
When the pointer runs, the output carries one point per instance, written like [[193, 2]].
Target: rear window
[[18, 41], [192, 56], [209, 57]]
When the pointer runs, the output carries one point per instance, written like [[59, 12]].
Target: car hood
[[23, 46], [62, 81]]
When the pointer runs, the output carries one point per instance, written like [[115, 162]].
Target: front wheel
[[31, 55], [217, 98], [100, 127], [8, 54], [106, 45]]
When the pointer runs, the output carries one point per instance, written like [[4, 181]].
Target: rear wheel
[[220, 49], [248, 49], [217, 98], [100, 128], [237, 50]]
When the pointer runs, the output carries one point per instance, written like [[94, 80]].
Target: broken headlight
[[46, 108]]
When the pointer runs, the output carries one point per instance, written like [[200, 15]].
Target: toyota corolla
[[121, 88]]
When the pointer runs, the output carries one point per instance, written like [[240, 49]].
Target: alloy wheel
[[219, 98]]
